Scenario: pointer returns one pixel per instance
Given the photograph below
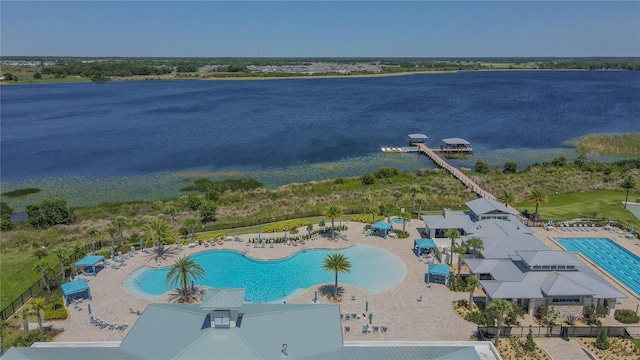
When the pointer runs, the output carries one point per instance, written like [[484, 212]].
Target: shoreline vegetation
[[25, 70], [607, 144]]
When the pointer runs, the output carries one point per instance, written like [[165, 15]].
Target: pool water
[[613, 258], [398, 221], [373, 269]]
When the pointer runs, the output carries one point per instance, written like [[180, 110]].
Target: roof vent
[[284, 351]]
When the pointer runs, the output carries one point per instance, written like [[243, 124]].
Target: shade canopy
[[381, 228], [76, 289], [439, 270], [90, 261], [422, 244]]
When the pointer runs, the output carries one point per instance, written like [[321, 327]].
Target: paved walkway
[[560, 349]]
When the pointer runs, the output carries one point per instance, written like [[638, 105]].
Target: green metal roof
[[68, 353], [400, 352], [223, 299]]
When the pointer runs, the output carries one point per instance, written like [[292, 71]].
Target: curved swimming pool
[[373, 269], [611, 257]]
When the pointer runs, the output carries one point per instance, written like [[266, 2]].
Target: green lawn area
[[601, 203], [17, 274]]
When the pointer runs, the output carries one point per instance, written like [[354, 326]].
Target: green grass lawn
[[17, 274], [601, 203]]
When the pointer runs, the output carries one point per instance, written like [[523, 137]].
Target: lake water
[[294, 130]]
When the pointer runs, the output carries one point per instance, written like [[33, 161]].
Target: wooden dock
[[464, 179]]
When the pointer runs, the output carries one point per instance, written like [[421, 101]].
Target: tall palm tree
[[472, 285], [44, 268], [112, 231], [336, 263], [452, 234], [172, 211], [180, 273], [365, 203], [415, 189], [405, 218], [396, 196], [508, 197], [120, 221], [24, 316], [332, 212], [476, 243], [628, 184], [499, 308], [4, 326], [191, 223], [420, 203], [63, 261], [92, 231], [38, 305], [460, 250], [157, 229], [538, 196]]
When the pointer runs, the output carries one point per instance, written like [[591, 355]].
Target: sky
[[320, 29]]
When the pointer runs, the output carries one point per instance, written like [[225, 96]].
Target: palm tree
[[337, 263], [396, 196], [414, 190], [157, 229], [92, 231], [112, 230], [332, 212], [120, 221], [4, 326], [476, 243], [499, 308], [405, 218], [460, 250], [452, 234], [538, 196], [191, 223], [63, 262], [508, 197], [628, 184], [420, 203], [365, 203], [37, 305], [24, 315], [472, 285], [172, 211], [44, 268], [180, 273]]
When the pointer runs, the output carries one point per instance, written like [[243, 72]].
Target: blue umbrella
[[370, 318], [315, 296], [258, 237], [89, 308]]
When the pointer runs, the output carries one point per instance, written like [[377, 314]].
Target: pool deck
[[431, 319]]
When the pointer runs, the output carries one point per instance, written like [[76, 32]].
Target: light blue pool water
[[613, 258], [398, 221], [635, 209], [372, 269]]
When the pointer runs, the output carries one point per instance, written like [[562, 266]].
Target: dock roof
[[418, 136], [455, 141]]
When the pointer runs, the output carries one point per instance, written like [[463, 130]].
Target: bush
[[283, 226], [627, 316], [57, 314], [31, 337], [457, 283], [368, 179], [385, 173], [602, 342], [366, 219], [338, 181], [482, 318], [482, 167], [530, 345], [510, 167]]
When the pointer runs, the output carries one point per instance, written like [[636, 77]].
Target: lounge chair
[[255, 244], [123, 327], [294, 243], [133, 250], [263, 243], [248, 243], [375, 328], [86, 273], [347, 316], [365, 329], [115, 266], [347, 328], [353, 297], [271, 242], [384, 328]]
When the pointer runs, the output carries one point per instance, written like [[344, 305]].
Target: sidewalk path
[[560, 349]]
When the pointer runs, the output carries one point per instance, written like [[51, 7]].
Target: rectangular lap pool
[[619, 262]]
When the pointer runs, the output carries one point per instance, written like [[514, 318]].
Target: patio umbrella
[[370, 318], [315, 296], [258, 237], [366, 306], [141, 247], [309, 233], [89, 308], [112, 253]]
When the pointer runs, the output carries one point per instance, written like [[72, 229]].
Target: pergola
[[77, 287], [381, 227], [422, 244], [90, 261], [438, 270]]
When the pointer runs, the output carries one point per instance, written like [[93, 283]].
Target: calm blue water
[[146, 127], [613, 258], [372, 269]]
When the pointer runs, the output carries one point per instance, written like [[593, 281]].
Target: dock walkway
[[472, 186]]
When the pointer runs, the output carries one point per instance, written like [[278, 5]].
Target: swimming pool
[[613, 258], [373, 269], [399, 221]]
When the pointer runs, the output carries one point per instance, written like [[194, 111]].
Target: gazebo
[[438, 270], [422, 244], [381, 228], [77, 287], [90, 261]]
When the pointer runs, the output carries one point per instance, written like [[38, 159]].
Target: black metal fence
[[37, 286], [485, 332]]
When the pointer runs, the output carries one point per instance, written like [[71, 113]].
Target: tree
[[193, 202], [208, 211], [602, 342], [63, 262], [44, 268], [396, 196], [8, 76], [628, 184], [508, 198], [530, 345], [482, 167], [184, 269], [510, 167], [420, 203], [24, 316], [40, 253], [332, 212], [365, 203], [172, 211], [476, 243], [38, 305], [460, 250], [336, 263], [5, 209], [157, 229], [452, 234], [472, 285], [92, 231], [190, 223], [538, 196], [49, 213], [112, 231], [405, 219], [415, 189], [120, 221], [368, 179], [499, 308], [37, 76]]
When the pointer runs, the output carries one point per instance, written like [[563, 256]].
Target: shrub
[[57, 314], [366, 219], [457, 283], [385, 173], [283, 226], [571, 319], [338, 181], [602, 342], [368, 179], [627, 316], [510, 167], [31, 337], [530, 345], [482, 318], [482, 167]]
